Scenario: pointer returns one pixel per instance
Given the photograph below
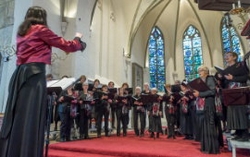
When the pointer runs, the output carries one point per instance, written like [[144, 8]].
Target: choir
[[195, 114]]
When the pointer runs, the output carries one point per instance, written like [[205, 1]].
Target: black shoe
[[152, 135], [86, 137], [185, 138], [141, 135], [118, 134], [168, 137], [157, 135]]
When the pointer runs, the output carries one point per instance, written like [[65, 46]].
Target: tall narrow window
[[156, 59], [192, 50], [230, 38]]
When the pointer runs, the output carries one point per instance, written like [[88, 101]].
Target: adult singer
[[22, 132], [237, 77]]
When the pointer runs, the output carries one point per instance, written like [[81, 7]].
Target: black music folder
[[149, 98], [112, 93], [222, 71], [67, 98], [236, 96], [120, 98], [198, 84]]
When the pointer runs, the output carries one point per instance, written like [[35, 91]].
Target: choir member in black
[[155, 114], [122, 111], [170, 111], [54, 108], [186, 114], [64, 102], [236, 77], [111, 85], [103, 109], [146, 90], [209, 132], [95, 90], [125, 87], [139, 111], [86, 102]]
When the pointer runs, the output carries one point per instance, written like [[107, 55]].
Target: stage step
[[61, 153]]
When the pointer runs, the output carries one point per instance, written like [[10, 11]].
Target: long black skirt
[[237, 117], [22, 133]]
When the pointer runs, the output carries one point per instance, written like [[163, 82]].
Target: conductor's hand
[[79, 35]]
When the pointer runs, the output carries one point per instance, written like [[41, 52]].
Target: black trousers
[[113, 110], [66, 122], [99, 114], [83, 123], [142, 116], [171, 121], [122, 118]]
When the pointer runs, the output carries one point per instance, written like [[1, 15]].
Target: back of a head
[[34, 15]]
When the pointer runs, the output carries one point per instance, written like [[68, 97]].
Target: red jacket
[[36, 45]]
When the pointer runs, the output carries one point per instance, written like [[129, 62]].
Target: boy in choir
[[122, 112], [155, 114], [139, 111], [103, 109]]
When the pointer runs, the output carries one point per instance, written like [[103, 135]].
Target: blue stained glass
[[156, 59], [192, 52], [230, 39]]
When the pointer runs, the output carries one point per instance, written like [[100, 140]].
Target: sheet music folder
[[236, 96], [222, 71], [58, 86], [149, 98], [199, 85]]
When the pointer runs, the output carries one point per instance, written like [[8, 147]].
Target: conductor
[[22, 132]]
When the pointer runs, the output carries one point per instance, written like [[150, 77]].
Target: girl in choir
[[186, 105], [155, 114], [103, 109], [86, 102], [236, 77], [209, 132], [139, 111], [122, 112]]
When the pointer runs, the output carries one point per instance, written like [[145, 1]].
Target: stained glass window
[[156, 59], [192, 52], [230, 38]]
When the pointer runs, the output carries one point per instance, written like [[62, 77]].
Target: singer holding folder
[[236, 76], [209, 134], [22, 133]]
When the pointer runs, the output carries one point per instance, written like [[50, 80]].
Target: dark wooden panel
[[220, 5]]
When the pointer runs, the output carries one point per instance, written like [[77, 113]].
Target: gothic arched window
[[230, 38], [192, 52], [156, 59]]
